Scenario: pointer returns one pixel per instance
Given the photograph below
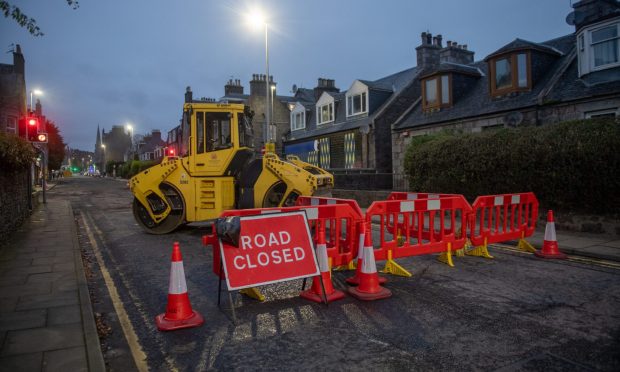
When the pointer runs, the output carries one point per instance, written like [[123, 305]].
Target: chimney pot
[[439, 40], [423, 38], [465, 46], [429, 38]]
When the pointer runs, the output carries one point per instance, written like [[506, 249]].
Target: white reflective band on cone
[[177, 279], [499, 200], [368, 262], [360, 246], [321, 255], [550, 232]]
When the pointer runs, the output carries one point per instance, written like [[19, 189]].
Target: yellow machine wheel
[[173, 220]]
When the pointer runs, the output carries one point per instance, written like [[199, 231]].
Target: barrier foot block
[[525, 246], [350, 266], [480, 251], [391, 267], [253, 293], [446, 257], [460, 252]]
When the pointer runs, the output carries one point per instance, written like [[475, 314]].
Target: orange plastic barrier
[[336, 219], [498, 218], [417, 227]]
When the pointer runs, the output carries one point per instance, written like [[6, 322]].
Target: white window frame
[[298, 117], [358, 89], [590, 114], [11, 124], [585, 50], [319, 113]]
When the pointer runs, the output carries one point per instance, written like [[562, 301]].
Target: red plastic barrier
[[498, 218], [420, 226], [401, 195], [339, 221]]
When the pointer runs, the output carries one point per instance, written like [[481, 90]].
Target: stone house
[[13, 92], [575, 76]]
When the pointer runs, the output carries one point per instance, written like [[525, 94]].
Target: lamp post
[[103, 166], [272, 138], [130, 130], [36, 92], [258, 21]]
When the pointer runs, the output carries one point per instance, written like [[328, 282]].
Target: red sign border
[[271, 215]]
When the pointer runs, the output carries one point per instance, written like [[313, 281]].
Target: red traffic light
[[171, 152], [32, 121]]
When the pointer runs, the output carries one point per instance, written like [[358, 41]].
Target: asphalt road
[[515, 312]]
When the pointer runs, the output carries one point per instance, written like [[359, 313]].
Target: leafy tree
[[55, 145], [23, 20]]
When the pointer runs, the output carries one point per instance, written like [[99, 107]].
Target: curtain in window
[[605, 45]]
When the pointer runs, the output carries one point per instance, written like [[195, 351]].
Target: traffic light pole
[[43, 151]]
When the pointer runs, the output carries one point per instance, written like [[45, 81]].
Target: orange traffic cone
[[355, 279], [369, 288], [179, 313], [315, 293], [550, 247]]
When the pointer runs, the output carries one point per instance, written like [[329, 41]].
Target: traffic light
[[171, 152], [32, 129]]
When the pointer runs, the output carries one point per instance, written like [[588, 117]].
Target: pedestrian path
[[46, 319], [581, 244]]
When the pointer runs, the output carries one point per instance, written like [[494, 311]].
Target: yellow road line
[[579, 259], [139, 357]]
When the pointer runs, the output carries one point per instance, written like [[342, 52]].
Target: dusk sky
[[116, 62]]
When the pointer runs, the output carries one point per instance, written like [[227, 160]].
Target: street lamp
[[272, 137], [258, 21], [35, 92], [130, 129], [103, 165]]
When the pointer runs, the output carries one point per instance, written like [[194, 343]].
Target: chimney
[[588, 12], [233, 87], [258, 84], [19, 63], [455, 53], [325, 85], [428, 52], [188, 94]]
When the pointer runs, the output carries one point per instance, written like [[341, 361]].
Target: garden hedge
[[571, 166]]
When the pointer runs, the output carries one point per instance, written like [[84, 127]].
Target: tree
[[25, 21], [55, 145]]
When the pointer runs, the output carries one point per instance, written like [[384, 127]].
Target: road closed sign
[[272, 248]]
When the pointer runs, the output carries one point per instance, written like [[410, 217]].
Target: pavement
[[46, 318]]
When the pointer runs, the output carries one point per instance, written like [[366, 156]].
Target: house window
[[325, 113], [510, 73], [609, 113], [11, 124], [599, 47], [356, 104], [436, 92], [298, 120]]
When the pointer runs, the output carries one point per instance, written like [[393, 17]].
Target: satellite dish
[[365, 129], [570, 18], [513, 119]]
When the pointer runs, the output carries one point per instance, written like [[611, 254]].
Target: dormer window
[[298, 117], [325, 113], [436, 92], [356, 104], [599, 47], [510, 73]]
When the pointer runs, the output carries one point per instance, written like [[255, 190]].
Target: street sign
[[272, 248]]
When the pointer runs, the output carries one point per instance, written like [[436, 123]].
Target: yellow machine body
[[218, 170]]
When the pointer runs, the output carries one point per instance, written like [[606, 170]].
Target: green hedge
[[571, 166], [15, 153]]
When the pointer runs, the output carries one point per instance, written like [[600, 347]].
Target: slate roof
[[559, 84], [391, 84], [520, 44]]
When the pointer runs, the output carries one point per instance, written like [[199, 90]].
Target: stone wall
[[14, 197]]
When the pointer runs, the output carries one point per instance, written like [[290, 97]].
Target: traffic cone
[[315, 293], [179, 313], [355, 279], [369, 288], [550, 247]]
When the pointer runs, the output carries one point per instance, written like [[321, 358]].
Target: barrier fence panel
[[400, 195], [419, 226], [499, 218]]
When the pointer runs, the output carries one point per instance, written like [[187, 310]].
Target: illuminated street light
[[130, 129], [35, 92], [257, 20]]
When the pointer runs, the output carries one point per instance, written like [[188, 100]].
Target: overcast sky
[[115, 62]]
